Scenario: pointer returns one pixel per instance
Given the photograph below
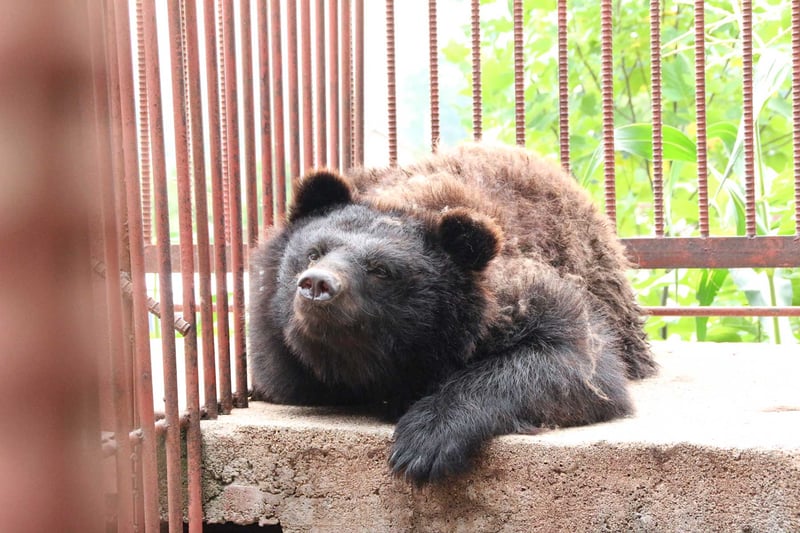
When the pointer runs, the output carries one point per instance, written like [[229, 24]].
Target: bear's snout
[[318, 284]]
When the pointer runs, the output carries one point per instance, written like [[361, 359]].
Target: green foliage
[[633, 130]]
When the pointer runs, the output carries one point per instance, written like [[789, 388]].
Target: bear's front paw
[[429, 446]]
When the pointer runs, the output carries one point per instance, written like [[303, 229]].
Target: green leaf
[[725, 131], [711, 281], [723, 334], [637, 139]]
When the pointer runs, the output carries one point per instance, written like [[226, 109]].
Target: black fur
[[418, 327], [318, 191]]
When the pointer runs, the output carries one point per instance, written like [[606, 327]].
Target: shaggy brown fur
[[546, 219]]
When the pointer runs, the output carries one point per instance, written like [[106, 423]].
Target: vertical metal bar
[[124, 166], [248, 115], [391, 85], [321, 79], [607, 96], [796, 110], [477, 100], [700, 96], [333, 84], [201, 210], [563, 85], [235, 195], [215, 129], [294, 92], [433, 61], [657, 135], [748, 118], [519, 74], [266, 115], [223, 115], [358, 81], [277, 108], [305, 55], [112, 236], [346, 70], [180, 103], [146, 177], [174, 499], [141, 328]]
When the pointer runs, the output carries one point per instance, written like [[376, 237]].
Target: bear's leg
[[556, 363], [531, 387]]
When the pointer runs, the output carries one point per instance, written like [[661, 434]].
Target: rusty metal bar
[[124, 167], [748, 119], [201, 211], [519, 74], [607, 96], [266, 115], [433, 47], [248, 114], [358, 82], [235, 201], [223, 123], [700, 96], [761, 251], [321, 79], [218, 211], [173, 452], [796, 110], [657, 134], [391, 84], [563, 85], [121, 393], [714, 252], [723, 311], [333, 84], [145, 176], [305, 55], [146, 452], [277, 109], [180, 103], [346, 70], [477, 103], [293, 90]]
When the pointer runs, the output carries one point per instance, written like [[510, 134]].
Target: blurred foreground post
[[48, 387]]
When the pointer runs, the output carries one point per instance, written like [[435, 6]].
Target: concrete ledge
[[714, 446]]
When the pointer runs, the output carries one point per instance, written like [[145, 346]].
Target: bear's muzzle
[[319, 285]]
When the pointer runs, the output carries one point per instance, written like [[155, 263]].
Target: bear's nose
[[319, 285]]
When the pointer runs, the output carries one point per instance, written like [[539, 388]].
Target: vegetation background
[[633, 120]]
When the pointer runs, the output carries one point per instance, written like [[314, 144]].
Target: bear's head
[[367, 293]]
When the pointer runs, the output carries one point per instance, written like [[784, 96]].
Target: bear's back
[[545, 216]]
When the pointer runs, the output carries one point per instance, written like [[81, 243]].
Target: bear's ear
[[471, 239], [318, 190]]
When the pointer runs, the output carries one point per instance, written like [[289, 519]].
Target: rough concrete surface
[[714, 446]]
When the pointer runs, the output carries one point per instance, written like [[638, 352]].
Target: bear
[[475, 293]]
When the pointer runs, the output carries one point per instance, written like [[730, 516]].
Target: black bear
[[476, 293]]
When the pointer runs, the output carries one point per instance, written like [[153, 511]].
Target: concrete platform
[[714, 446]]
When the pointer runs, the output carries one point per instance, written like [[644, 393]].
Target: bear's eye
[[313, 256], [378, 270]]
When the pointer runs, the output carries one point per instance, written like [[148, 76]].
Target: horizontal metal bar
[[666, 252], [714, 252], [722, 311], [151, 257]]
